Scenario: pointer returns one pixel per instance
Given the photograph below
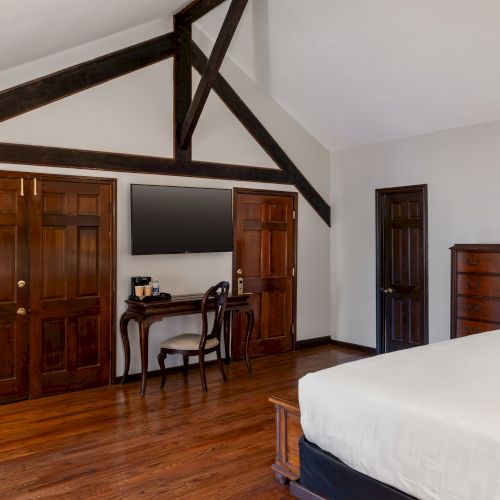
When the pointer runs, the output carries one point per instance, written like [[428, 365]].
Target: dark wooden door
[[70, 285], [402, 268], [264, 256], [13, 290]]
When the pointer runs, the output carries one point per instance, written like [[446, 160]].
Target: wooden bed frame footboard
[[287, 465], [288, 432]]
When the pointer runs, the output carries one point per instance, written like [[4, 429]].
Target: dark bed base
[[324, 476]]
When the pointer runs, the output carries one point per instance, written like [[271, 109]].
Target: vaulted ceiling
[[351, 72]]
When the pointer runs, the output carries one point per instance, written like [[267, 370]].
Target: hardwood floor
[[177, 442]]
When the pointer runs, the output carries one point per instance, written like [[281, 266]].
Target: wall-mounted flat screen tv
[[170, 219]]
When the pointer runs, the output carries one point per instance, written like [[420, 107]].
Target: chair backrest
[[214, 296]]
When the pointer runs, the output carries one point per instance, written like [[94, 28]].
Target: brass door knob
[[21, 311], [21, 284], [387, 290], [239, 272]]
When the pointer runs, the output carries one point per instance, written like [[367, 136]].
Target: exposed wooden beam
[[195, 10], [262, 136], [208, 77], [182, 86], [118, 162], [50, 88]]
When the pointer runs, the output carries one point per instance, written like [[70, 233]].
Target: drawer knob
[[473, 308], [472, 331], [473, 285], [473, 262]]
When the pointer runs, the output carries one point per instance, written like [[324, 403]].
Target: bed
[[423, 422]]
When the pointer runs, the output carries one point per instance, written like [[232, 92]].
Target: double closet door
[[56, 281]]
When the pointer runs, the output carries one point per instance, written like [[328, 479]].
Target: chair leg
[[185, 367], [161, 361], [202, 372], [221, 366]]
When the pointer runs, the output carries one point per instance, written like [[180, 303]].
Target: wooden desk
[[148, 313]]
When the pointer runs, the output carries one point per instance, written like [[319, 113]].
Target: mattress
[[424, 420]]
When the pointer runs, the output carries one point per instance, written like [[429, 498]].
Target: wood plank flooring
[[174, 443]]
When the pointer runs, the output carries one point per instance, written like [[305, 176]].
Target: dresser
[[475, 289]]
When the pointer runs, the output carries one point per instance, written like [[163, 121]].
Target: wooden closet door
[[13, 295], [70, 300]]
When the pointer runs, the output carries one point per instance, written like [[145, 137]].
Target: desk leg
[[250, 320], [144, 336], [227, 329], [126, 344]]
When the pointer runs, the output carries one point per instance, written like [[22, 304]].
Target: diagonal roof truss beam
[[257, 130], [36, 93], [211, 71], [195, 10]]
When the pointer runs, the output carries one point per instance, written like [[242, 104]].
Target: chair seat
[[187, 342]]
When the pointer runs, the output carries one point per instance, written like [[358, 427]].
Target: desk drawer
[[487, 309], [478, 262], [466, 327], [479, 285]]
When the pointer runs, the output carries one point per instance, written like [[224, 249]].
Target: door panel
[[70, 252], [402, 267], [264, 233], [14, 262]]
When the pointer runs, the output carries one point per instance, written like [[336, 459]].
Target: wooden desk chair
[[190, 344]]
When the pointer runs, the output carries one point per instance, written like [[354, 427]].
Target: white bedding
[[425, 420]]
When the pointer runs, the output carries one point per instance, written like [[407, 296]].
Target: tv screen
[[168, 219]]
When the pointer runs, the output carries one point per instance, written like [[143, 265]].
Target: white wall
[[133, 114], [462, 170]]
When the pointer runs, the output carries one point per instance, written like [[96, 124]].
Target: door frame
[[112, 181], [379, 228], [295, 197]]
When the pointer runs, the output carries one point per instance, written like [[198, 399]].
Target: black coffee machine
[[138, 281]]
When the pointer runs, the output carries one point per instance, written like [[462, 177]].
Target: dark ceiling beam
[[183, 86], [246, 117], [208, 77], [195, 10], [26, 154], [36, 93]]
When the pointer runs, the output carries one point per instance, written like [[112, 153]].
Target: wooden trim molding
[[26, 154], [315, 342], [356, 347], [136, 377], [36, 93], [246, 117]]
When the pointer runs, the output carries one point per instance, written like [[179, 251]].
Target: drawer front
[[487, 309], [466, 327], [478, 262], [485, 286]]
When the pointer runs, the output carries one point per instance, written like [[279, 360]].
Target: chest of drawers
[[475, 289]]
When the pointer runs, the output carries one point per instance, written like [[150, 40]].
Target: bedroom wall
[[133, 114], [461, 169]]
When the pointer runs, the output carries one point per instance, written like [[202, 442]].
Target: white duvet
[[424, 420]]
